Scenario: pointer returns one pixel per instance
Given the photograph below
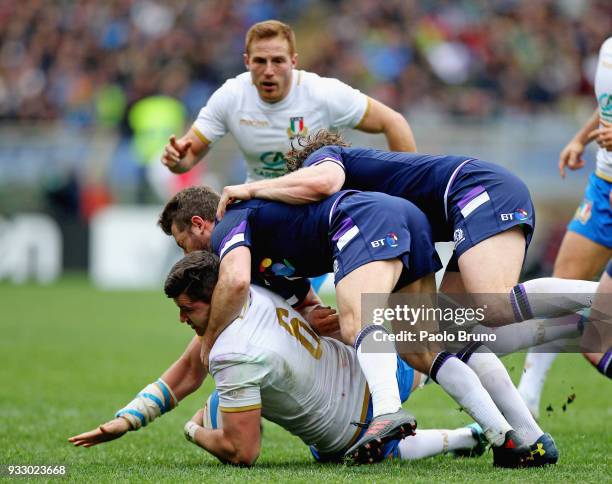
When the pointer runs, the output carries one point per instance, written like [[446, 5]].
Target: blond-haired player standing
[[268, 106]]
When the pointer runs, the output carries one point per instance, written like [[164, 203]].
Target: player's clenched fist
[[174, 152]]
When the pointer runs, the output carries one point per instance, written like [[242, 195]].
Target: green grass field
[[72, 355]]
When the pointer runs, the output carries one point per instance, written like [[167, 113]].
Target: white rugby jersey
[[270, 358], [264, 131], [603, 92]]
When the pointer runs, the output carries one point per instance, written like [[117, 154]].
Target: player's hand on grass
[[603, 135], [229, 195], [174, 151], [324, 320], [571, 156], [111, 430]]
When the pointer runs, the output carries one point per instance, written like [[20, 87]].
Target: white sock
[[427, 443], [379, 369], [537, 364], [533, 332], [551, 296], [497, 382], [461, 383]]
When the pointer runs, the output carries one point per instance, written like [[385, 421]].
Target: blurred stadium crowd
[[85, 62]]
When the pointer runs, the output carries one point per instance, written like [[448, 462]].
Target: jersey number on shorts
[[300, 331]]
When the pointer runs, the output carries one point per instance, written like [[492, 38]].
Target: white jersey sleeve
[[211, 123], [347, 105], [603, 93], [238, 383]]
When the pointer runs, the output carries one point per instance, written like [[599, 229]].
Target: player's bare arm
[[571, 155], [181, 155], [307, 185], [380, 118], [182, 378], [229, 297], [238, 441], [187, 373]]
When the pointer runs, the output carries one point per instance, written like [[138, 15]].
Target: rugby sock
[[427, 443], [461, 383], [605, 364], [537, 364], [550, 296], [379, 369], [534, 332], [497, 383]]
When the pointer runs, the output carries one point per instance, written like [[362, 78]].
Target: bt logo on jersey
[[520, 214], [391, 239]]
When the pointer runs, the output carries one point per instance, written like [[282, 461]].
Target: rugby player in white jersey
[[268, 106], [269, 363], [587, 244]]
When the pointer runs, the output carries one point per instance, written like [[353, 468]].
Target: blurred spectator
[[84, 61]]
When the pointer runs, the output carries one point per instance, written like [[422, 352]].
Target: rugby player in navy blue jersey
[[277, 244], [483, 207]]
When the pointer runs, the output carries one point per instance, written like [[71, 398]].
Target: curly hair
[[201, 201], [194, 275], [306, 145]]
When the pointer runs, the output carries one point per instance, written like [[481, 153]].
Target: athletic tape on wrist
[[154, 400], [190, 430]]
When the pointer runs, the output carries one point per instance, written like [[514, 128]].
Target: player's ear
[[245, 58], [197, 223], [294, 59]]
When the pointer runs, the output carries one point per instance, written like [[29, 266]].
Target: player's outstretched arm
[[229, 297], [181, 155], [308, 185], [571, 155], [237, 442], [182, 378], [380, 118]]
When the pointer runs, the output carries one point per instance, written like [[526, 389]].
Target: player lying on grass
[[269, 362], [271, 243], [483, 207]]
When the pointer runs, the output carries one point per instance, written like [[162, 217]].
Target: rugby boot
[[543, 452], [514, 452], [481, 443], [382, 429]]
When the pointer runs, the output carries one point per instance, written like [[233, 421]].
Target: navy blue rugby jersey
[[422, 179], [287, 242]]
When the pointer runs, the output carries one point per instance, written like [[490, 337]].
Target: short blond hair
[[268, 30]]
